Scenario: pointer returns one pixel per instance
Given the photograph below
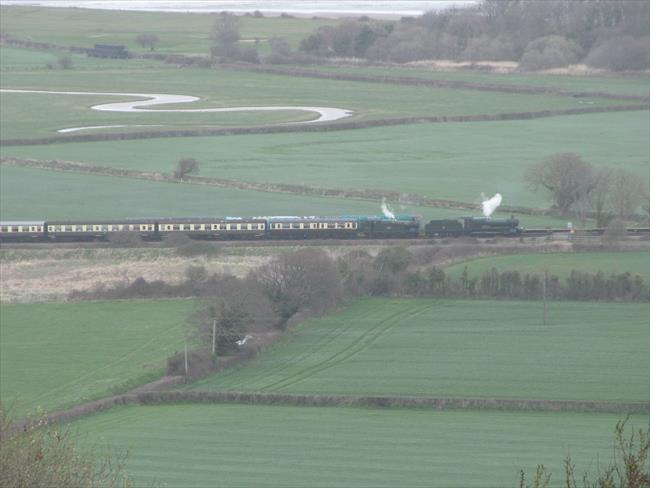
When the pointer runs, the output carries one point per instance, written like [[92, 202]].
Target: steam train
[[289, 227]]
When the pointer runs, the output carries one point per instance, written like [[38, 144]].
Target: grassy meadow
[[105, 197], [560, 264], [177, 32], [455, 161], [459, 348], [228, 88], [56, 355], [607, 83], [242, 446]]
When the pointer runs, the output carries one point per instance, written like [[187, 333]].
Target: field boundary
[[319, 127], [253, 398], [413, 81]]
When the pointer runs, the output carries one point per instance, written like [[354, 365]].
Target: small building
[[109, 51]]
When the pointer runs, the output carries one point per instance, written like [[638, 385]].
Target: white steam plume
[[491, 204], [386, 211]]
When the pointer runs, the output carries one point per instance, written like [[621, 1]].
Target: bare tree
[[628, 193], [147, 40], [186, 166], [64, 61], [565, 176], [599, 196], [232, 308], [305, 279], [225, 37]]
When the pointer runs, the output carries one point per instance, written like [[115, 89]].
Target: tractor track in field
[[322, 343], [367, 338]]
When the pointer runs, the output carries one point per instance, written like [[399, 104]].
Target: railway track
[[528, 235]]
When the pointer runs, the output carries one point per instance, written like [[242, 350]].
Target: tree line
[[574, 185], [609, 34]]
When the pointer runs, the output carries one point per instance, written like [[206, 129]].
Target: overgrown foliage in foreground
[[40, 456], [629, 469]]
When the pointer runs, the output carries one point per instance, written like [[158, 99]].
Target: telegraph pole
[[544, 291], [214, 336]]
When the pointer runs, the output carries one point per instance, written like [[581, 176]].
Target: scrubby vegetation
[[540, 35], [41, 456]]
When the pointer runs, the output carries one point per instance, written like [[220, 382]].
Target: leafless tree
[[628, 193], [225, 37], [147, 40], [232, 307], [186, 166], [565, 176], [599, 196], [306, 279]]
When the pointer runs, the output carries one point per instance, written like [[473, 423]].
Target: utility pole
[[214, 336], [186, 368], [544, 291]]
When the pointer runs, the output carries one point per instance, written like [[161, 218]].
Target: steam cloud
[[491, 204], [386, 211]]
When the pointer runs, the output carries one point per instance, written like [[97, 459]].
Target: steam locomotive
[[278, 227]]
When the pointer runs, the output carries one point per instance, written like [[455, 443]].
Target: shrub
[[200, 363], [125, 239], [198, 248], [621, 53], [64, 61], [43, 456], [550, 52], [185, 166]]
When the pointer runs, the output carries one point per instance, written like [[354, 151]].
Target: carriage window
[[260, 226], [3, 229]]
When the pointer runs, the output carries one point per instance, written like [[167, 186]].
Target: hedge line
[[322, 127], [458, 84], [251, 398]]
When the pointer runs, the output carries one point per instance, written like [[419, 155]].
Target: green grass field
[[226, 88], [55, 355], [459, 348], [560, 264], [610, 83], [455, 161], [243, 446], [177, 32], [27, 193]]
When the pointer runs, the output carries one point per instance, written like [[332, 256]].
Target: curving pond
[[323, 114]]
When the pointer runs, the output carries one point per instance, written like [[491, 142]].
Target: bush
[[125, 239], [64, 61], [200, 363], [185, 166], [621, 53], [615, 231], [39, 456], [198, 248], [550, 52]]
